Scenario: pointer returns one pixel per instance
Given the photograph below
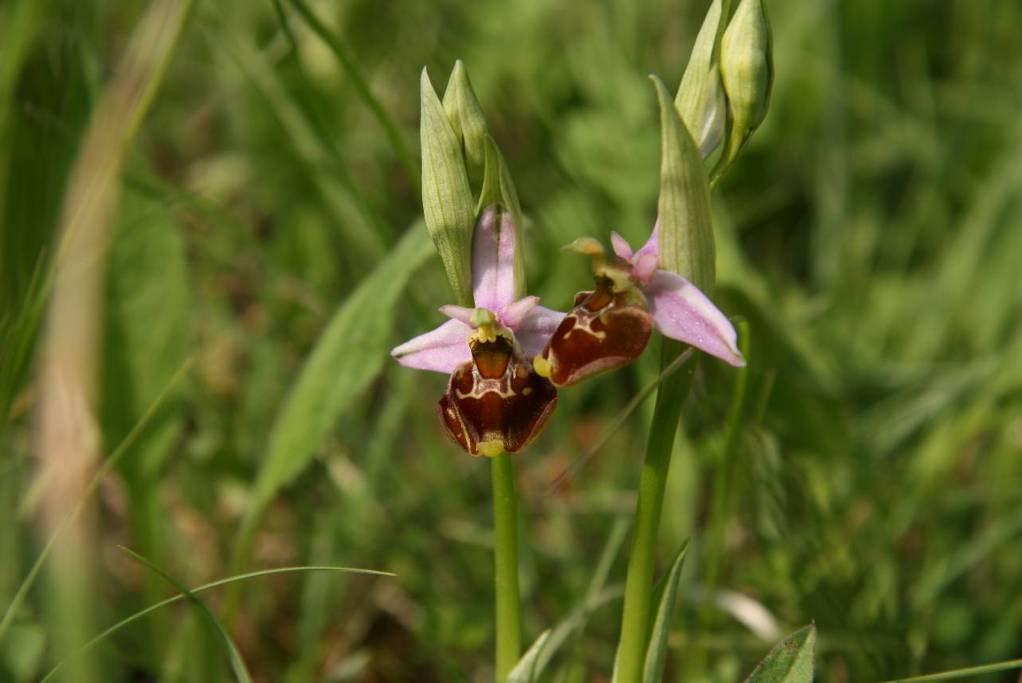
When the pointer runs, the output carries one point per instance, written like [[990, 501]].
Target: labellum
[[608, 327], [496, 402]]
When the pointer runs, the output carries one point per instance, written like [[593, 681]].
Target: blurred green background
[[870, 236]]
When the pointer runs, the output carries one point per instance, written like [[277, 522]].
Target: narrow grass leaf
[[656, 654], [539, 654], [394, 135], [122, 448], [209, 586], [791, 660], [967, 672], [240, 672], [525, 670]]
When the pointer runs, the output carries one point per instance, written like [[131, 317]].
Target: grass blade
[[962, 673], [108, 465], [240, 672], [209, 586], [656, 652], [362, 87]]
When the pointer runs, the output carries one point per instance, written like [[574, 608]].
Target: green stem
[[505, 561], [635, 620]]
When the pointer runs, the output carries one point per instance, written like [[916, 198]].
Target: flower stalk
[[505, 565], [637, 615], [686, 242]]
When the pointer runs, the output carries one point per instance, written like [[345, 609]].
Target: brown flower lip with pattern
[[495, 402], [610, 326]]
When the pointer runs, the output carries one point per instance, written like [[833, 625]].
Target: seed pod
[[496, 402], [746, 69], [605, 330]]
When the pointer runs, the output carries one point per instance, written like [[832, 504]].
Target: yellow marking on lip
[[542, 366]]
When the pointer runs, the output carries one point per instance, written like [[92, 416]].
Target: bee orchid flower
[[611, 325], [495, 401]]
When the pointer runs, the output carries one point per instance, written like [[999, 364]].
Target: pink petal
[[652, 245], [458, 313], [621, 246], [684, 313], [493, 260], [513, 314], [536, 329], [645, 266], [440, 350]]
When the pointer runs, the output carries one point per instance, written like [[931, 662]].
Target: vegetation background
[[870, 477]]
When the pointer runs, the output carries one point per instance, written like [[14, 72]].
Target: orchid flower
[[494, 402], [611, 325]]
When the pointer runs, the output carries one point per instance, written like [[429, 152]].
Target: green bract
[[746, 68], [447, 202], [686, 231], [700, 99]]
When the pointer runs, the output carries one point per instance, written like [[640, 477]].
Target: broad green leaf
[[347, 357], [791, 660], [686, 231], [656, 653]]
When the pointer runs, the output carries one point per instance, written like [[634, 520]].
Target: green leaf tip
[[447, 202], [656, 654], [683, 209], [465, 114], [791, 660]]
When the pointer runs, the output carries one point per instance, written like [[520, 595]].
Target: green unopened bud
[[446, 195], [746, 68], [465, 114], [700, 99], [686, 231]]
